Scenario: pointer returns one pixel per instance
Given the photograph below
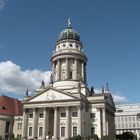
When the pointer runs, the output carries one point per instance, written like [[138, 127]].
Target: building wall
[[2, 128], [126, 119], [17, 128]]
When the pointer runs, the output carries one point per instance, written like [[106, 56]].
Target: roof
[[69, 33], [10, 106]]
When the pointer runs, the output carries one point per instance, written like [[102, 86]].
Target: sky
[[109, 31]]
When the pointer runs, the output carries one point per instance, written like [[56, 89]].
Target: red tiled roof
[[10, 106]]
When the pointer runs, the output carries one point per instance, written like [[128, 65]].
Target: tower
[[69, 60]]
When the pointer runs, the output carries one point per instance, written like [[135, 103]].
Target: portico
[[56, 122]]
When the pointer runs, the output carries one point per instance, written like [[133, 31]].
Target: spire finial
[[69, 22]]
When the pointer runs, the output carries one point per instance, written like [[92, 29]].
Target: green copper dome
[[68, 33]]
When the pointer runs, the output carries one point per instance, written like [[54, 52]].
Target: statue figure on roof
[[42, 84], [27, 92], [51, 79]]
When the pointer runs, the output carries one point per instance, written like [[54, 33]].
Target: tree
[[95, 137], [107, 138], [78, 137]]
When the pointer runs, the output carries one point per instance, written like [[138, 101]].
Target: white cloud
[[2, 3], [15, 80], [117, 97]]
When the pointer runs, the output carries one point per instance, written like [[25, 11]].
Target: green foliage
[[95, 137], [126, 136], [78, 137], [107, 138]]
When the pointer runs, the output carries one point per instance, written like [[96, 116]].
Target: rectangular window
[[92, 115], [41, 115], [19, 126], [62, 131], [92, 131], [40, 131], [30, 115], [74, 114], [63, 114], [30, 131], [75, 131]]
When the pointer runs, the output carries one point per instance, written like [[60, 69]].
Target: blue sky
[[109, 31]]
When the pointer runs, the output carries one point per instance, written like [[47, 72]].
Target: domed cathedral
[[66, 107]]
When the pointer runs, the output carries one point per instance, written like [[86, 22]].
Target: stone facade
[[66, 107], [127, 119]]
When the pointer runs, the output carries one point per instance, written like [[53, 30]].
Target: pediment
[[51, 95]]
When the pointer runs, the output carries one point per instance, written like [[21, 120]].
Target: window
[[133, 118], [63, 114], [7, 127], [129, 118], [40, 131], [64, 45], [19, 126], [92, 131], [74, 131], [70, 45], [92, 115], [18, 136], [70, 74], [30, 131], [30, 115], [41, 115], [62, 131], [119, 110], [74, 114]]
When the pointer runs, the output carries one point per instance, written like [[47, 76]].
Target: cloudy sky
[[109, 31]]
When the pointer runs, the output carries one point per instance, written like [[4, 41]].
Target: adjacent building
[[127, 119], [66, 107], [9, 109]]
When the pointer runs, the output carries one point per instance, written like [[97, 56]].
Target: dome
[[69, 33]]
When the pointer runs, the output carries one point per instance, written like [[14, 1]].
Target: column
[[35, 124], [85, 72], [107, 128], [53, 70], [55, 123], [79, 120], [75, 72], [25, 124], [67, 68], [58, 71], [82, 71], [68, 128], [45, 123], [104, 121]]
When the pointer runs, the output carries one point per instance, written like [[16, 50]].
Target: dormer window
[[2, 108]]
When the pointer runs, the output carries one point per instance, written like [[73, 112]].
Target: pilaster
[[68, 128], [25, 124]]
